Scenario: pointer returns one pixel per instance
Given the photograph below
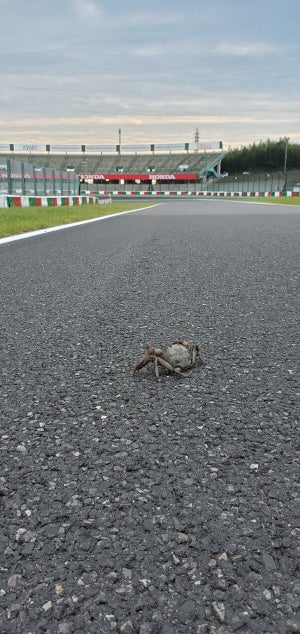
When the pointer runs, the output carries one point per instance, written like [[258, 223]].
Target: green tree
[[266, 155]]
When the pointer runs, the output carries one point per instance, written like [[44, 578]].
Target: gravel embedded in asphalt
[[134, 506]]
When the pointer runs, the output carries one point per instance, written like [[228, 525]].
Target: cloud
[[159, 16], [233, 131], [86, 10], [255, 49], [148, 51], [89, 67]]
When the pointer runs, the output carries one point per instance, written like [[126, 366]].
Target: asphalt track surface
[[134, 506]]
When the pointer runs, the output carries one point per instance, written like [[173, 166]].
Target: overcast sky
[[77, 71]]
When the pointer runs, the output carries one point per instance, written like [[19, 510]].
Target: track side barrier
[[50, 201], [201, 194]]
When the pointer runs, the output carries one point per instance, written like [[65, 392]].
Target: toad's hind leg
[[181, 372], [165, 364], [202, 361]]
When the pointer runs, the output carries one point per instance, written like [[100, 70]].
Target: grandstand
[[130, 171], [190, 167], [144, 171]]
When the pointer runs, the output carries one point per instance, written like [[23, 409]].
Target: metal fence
[[21, 178], [248, 182]]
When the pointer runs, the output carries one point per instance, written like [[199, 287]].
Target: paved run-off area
[[136, 507]]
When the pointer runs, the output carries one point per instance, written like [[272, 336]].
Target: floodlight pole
[[286, 139]]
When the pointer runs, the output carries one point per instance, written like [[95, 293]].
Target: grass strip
[[15, 220]]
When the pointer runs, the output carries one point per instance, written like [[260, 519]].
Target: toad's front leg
[[171, 368], [141, 364], [156, 370]]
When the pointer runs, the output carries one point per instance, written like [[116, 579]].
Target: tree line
[[266, 155]]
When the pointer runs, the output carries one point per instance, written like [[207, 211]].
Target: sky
[[78, 71]]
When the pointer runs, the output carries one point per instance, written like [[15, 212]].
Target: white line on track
[[38, 232]]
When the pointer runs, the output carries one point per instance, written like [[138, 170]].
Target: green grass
[[14, 220], [283, 200]]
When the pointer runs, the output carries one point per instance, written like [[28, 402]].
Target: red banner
[[119, 176]]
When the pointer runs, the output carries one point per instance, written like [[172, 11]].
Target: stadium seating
[[109, 163]]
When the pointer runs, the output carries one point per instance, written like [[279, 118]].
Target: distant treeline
[[267, 155]]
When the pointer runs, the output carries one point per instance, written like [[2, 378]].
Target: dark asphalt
[[135, 507]]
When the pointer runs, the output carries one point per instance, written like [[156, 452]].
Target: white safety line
[[38, 232]]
